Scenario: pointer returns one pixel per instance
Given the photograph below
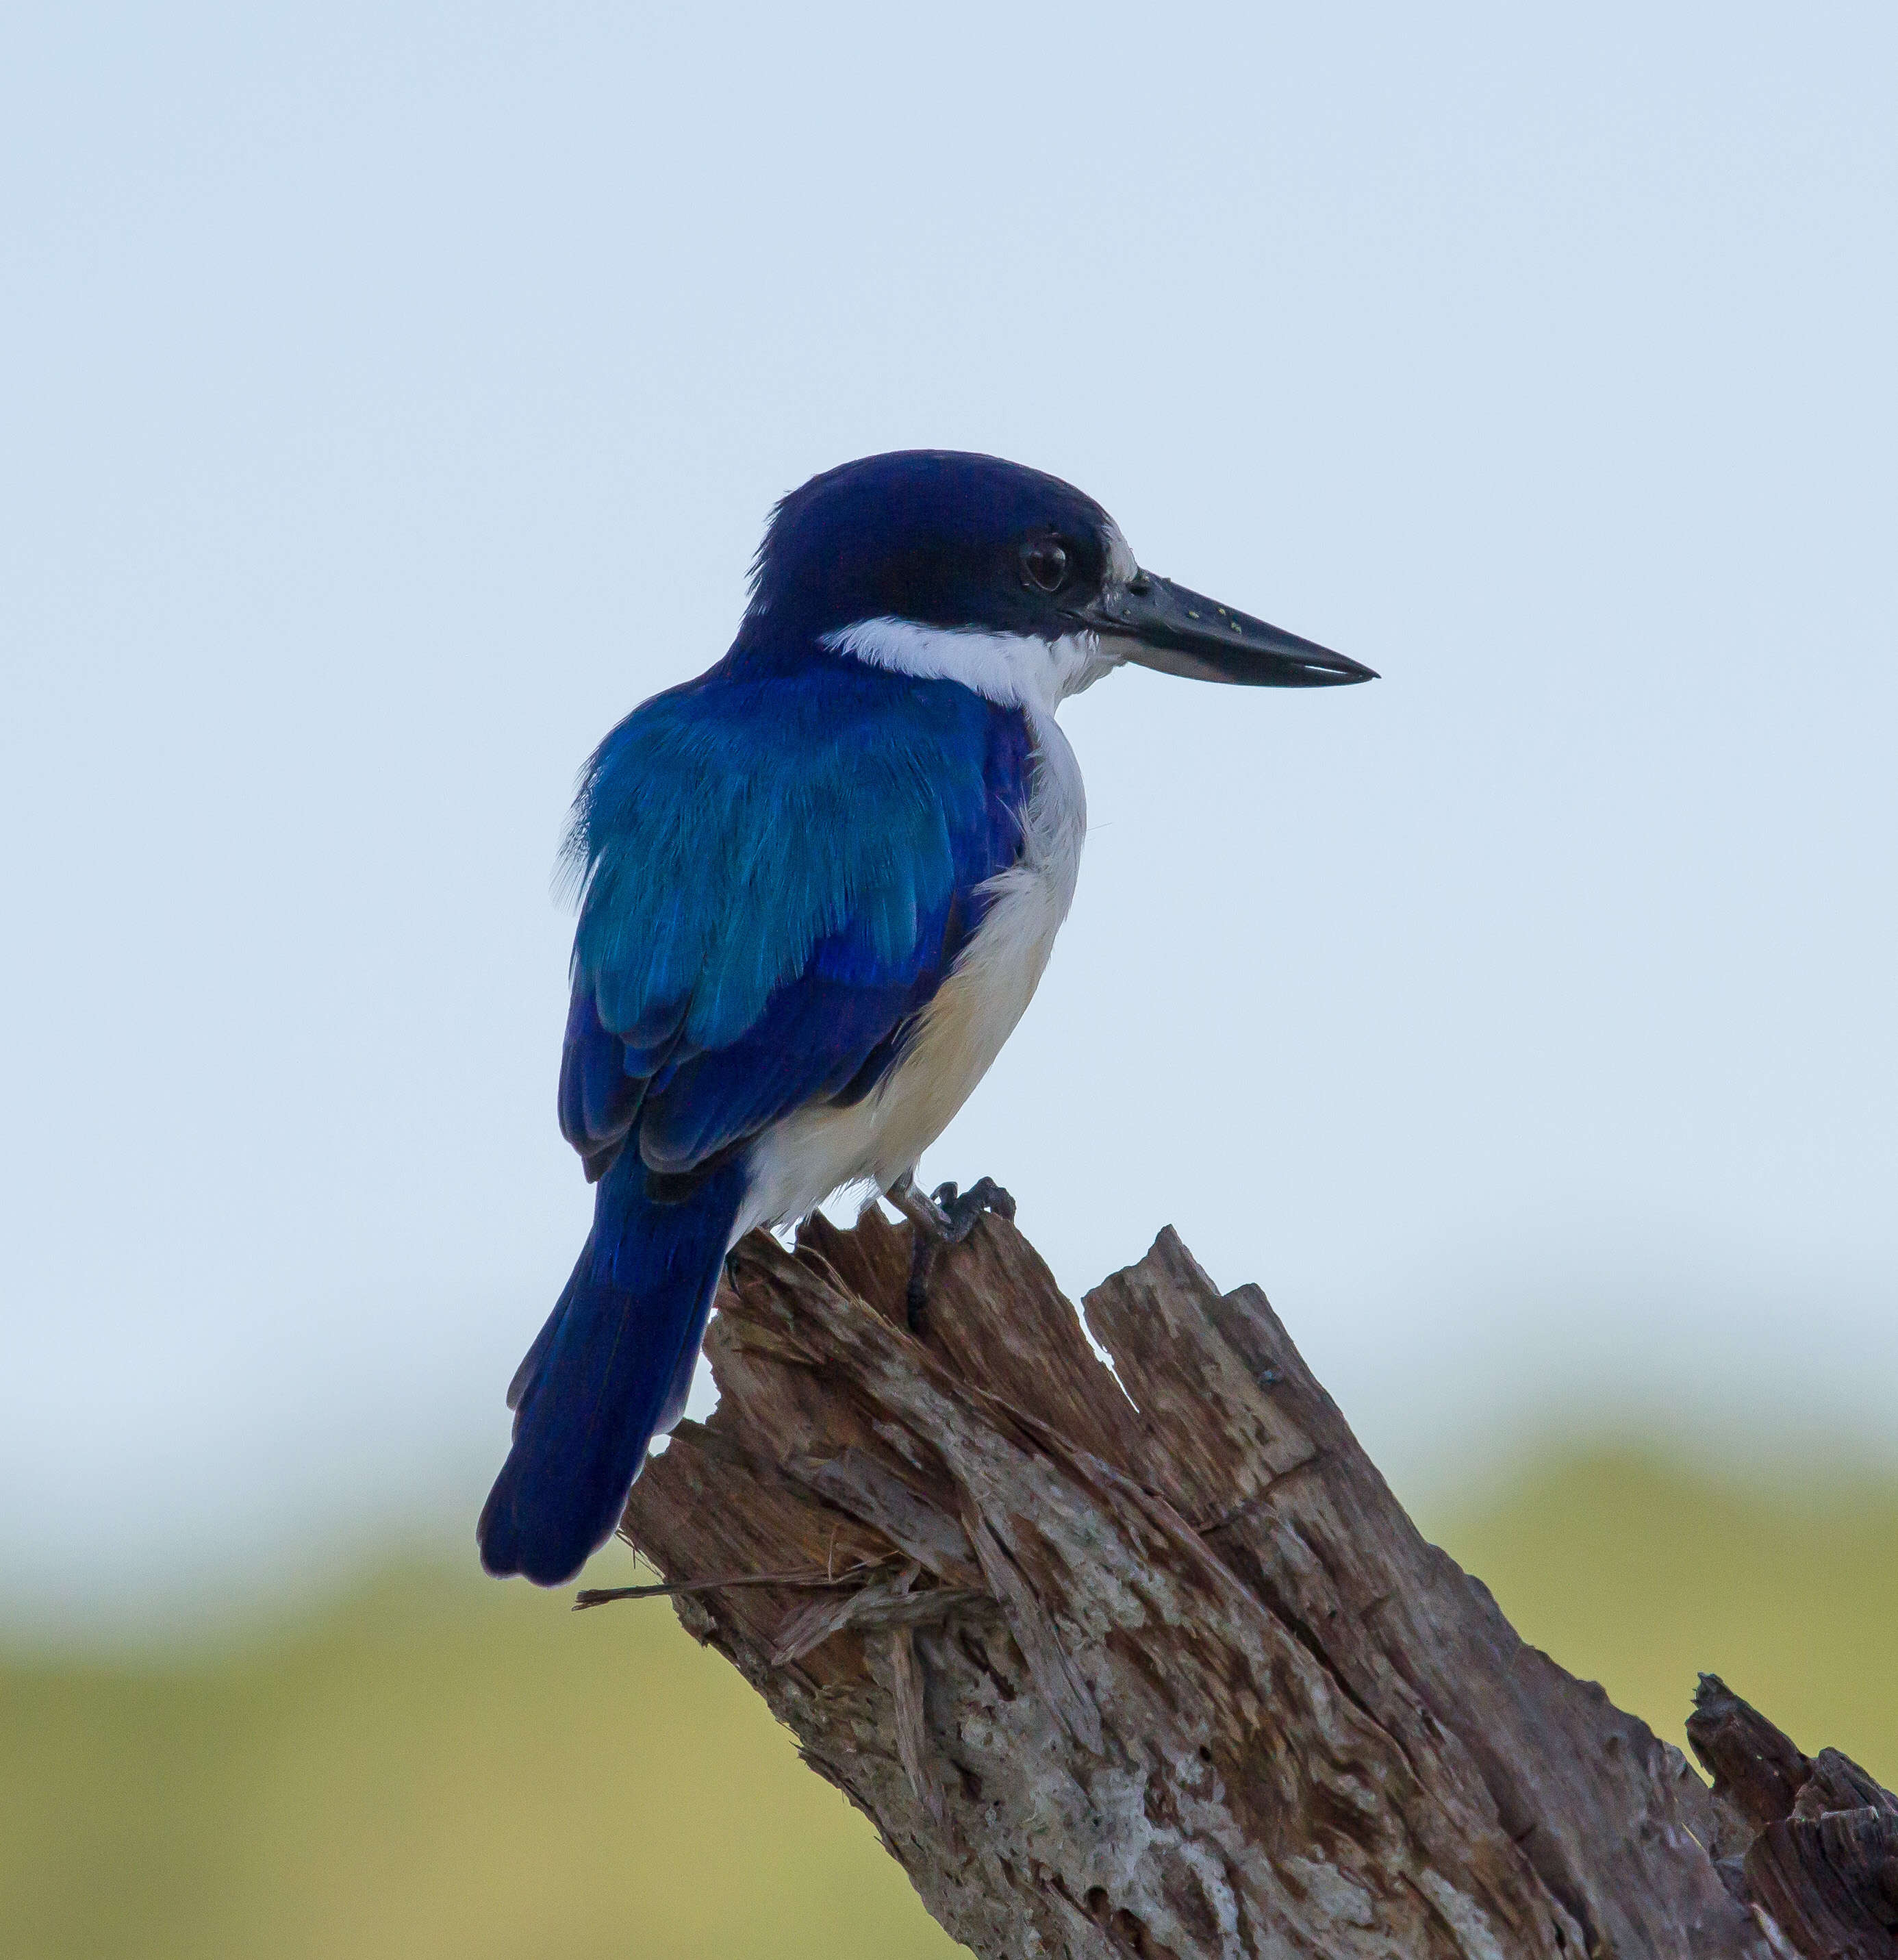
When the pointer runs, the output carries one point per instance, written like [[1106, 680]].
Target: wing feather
[[777, 874]]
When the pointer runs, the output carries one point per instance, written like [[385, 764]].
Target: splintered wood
[[1817, 1849], [1154, 1666]]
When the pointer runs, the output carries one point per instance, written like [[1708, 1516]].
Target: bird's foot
[[944, 1216], [961, 1209]]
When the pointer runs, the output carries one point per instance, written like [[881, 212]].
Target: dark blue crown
[[931, 535]]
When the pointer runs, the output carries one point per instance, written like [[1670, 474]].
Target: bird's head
[[935, 562]]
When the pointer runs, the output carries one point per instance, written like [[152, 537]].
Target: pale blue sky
[[392, 398]]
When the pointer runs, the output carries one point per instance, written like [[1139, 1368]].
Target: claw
[[961, 1214], [946, 1217]]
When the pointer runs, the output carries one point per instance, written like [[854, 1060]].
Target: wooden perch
[[1158, 1666]]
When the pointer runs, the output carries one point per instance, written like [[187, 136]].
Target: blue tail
[[610, 1368]]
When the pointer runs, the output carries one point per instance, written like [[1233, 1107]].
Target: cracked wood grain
[[1817, 1847], [1148, 1661]]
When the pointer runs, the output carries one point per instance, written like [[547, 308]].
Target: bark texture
[[1157, 1666], [1819, 1845]]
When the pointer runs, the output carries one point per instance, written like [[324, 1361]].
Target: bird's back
[[780, 871]]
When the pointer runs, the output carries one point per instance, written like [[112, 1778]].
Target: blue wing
[[779, 873]]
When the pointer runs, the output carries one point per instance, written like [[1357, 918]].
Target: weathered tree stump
[[1158, 1666]]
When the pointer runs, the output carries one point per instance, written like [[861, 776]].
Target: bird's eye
[[1045, 564]]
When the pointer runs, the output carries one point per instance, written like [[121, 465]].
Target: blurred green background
[[431, 1765]]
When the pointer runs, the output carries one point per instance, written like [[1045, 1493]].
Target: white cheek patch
[[1012, 669]]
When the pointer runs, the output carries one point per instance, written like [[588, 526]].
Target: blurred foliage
[[438, 1766]]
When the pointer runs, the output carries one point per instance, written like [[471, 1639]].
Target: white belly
[[800, 1161]]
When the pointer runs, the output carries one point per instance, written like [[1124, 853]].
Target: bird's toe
[[961, 1208]]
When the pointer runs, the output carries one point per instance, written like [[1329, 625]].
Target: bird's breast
[[976, 1009], [962, 1030]]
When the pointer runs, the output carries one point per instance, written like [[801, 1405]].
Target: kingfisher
[[819, 887]]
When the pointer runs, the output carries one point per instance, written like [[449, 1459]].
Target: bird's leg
[[940, 1218], [930, 1225]]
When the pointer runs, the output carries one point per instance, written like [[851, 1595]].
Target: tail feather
[[532, 1362], [609, 1370], [680, 1387]]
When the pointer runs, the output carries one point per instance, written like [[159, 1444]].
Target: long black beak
[[1161, 624]]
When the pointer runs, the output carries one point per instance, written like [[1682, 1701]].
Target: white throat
[[1012, 669]]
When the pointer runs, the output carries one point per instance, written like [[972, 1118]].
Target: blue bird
[[819, 885]]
